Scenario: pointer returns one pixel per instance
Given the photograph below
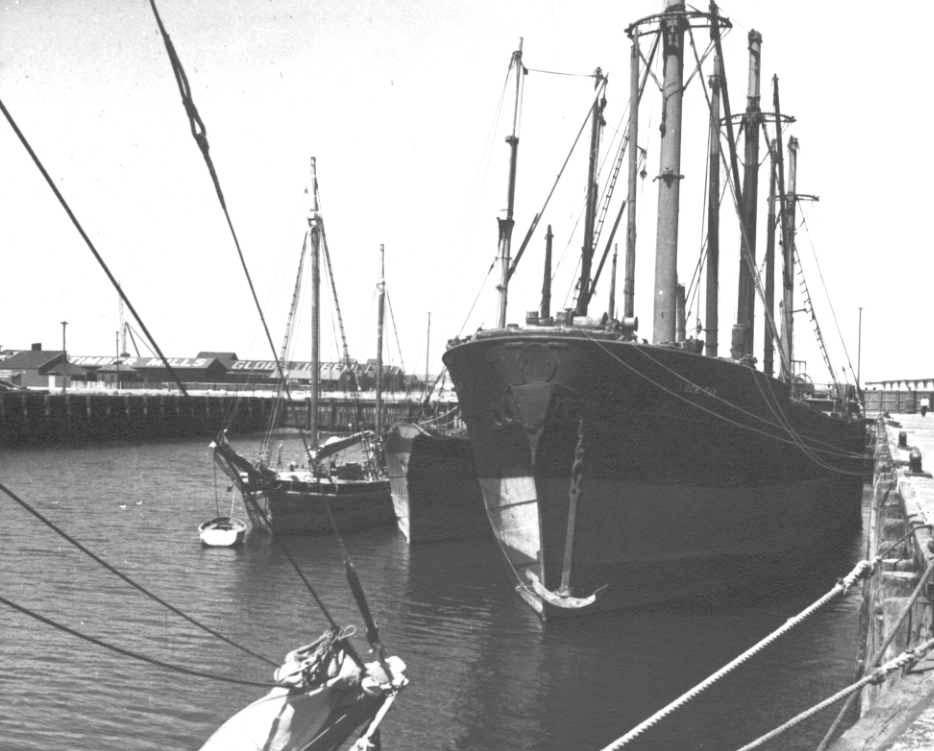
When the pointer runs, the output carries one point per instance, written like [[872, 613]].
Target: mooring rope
[[87, 241], [116, 572], [860, 570], [128, 652], [905, 659]]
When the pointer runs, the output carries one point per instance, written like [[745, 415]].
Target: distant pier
[[35, 418]]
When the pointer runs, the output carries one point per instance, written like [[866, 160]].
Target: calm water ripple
[[486, 674]]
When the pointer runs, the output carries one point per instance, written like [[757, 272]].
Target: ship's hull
[[618, 474], [302, 507], [434, 486]]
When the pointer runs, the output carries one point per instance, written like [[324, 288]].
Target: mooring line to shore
[[116, 572], [906, 659], [859, 571], [130, 653]]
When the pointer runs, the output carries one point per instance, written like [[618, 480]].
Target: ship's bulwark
[[692, 476]]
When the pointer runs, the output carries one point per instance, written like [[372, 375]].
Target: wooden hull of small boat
[[222, 532], [302, 508]]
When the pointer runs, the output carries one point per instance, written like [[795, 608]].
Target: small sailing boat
[[338, 482]]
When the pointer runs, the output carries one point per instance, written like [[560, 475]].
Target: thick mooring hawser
[[618, 473]]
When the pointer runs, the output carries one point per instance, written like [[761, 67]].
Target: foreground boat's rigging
[[616, 472]]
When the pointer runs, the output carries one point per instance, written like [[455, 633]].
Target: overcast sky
[[403, 104]]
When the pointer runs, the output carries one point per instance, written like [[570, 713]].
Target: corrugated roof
[[31, 359]]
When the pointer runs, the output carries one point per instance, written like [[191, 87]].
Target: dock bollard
[[914, 461], [903, 439]]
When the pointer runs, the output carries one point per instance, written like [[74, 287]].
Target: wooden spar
[[545, 310], [506, 225], [380, 306], [713, 216], [611, 312], [629, 282], [590, 213], [788, 256], [786, 234], [314, 230], [427, 350], [767, 345], [743, 331], [672, 27]]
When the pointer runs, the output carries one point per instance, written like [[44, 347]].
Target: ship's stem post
[[669, 177], [590, 213], [629, 282], [314, 231], [381, 306], [545, 311], [788, 256], [612, 307], [745, 308], [713, 215], [506, 224], [767, 345]]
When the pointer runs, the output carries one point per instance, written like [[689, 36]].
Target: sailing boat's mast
[[630, 273], [590, 214], [745, 308], [545, 309], [768, 347], [314, 231], [788, 256], [381, 304], [713, 215], [505, 225], [669, 183]]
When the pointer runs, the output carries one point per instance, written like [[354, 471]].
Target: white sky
[[399, 103]]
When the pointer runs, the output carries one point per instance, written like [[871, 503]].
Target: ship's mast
[[314, 231], [545, 311], [381, 305], [713, 215], [767, 345], [629, 282], [611, 312], [506, 225], [669, 178], [590, 214], [788, 256], [745, 307]]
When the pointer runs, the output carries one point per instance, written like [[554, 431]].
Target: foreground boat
[[619, 473], [433, 483]]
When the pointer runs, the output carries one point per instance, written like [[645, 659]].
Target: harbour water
[[486, 674]]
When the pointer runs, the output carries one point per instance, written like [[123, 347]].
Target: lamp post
[[65, 363]]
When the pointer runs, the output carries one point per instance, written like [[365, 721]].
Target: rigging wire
[[199, 132], [820, 273], [87, 240], [116, 572], [395, 331], [130, 653]]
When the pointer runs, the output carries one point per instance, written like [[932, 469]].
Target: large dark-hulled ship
[[617, 472]]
